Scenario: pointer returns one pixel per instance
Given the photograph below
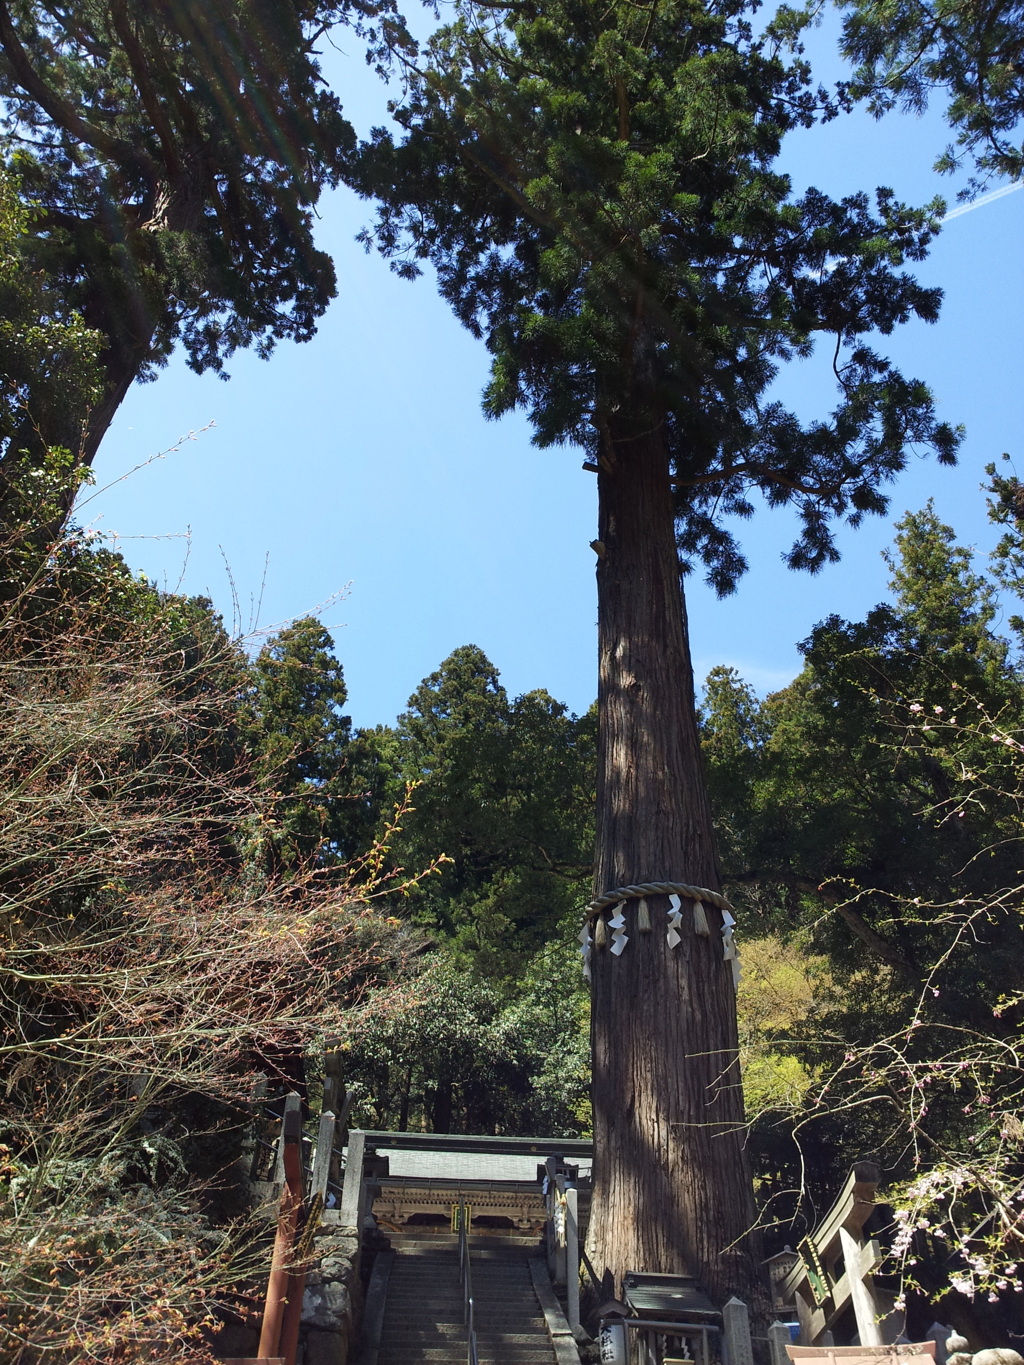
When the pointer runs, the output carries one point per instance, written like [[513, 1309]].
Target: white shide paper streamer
[[618, 927], [617, 924], [729, 947], [675, 920]]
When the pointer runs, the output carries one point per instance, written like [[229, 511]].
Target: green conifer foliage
[[878, 820], [302, 739], [905, 50], [597, 193], [49, 379], [504, 790], [171, 156], [946, 607], [1006, 510], [838, 792]]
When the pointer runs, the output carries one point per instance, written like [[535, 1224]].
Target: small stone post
[[352, 1192], [572, 1260], [778, 1339], [736, 1319], [322, 1159]]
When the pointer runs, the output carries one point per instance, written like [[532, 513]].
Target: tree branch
[[147, 91], [757, 472], [58, 109], [876, 943]]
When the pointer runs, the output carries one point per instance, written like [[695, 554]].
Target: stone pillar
[[572, 1260], [351, 1214], [736, 1320], [778, 1339]]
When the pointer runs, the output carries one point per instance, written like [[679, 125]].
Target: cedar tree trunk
[[672, 1191]]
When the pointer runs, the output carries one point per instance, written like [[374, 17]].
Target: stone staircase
[[422, 1320]]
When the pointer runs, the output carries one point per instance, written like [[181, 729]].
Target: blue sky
[[360, 464]]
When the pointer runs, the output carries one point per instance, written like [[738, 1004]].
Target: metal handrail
[[466, 1275]]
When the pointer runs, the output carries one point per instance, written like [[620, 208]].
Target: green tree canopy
[[171, 156], [49, 377], [596, 191], [905, 50], [1006, 510], [460, 1055], [504, 791], [302, 739], [870, 812], [834, 791]]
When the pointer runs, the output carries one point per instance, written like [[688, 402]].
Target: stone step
[[436, 1286], [490, 1322], [423, 1315], [427, 1318], [443, 1311], [507, 1341], [477, 1257], [419, 1279], [490, 1246], [511, 1327], [405, 1355], [503, 1301], [488, 1253], [449, 1283], [454, 1308], [438, 1293], [485, 1321], [485, 1341], [505, 1353], [449, 1274], [443, 1340], [502, 1356]]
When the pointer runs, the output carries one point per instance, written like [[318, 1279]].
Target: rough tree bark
[[672, 1190]]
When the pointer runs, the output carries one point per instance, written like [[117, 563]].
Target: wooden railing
[[307, 1186]]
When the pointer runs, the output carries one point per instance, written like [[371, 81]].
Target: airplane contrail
[[989, 198]]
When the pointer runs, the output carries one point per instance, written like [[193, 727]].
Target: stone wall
[[333, 1302]]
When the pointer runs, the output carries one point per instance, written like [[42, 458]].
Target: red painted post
[[288, 1343], [280, 1281]]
